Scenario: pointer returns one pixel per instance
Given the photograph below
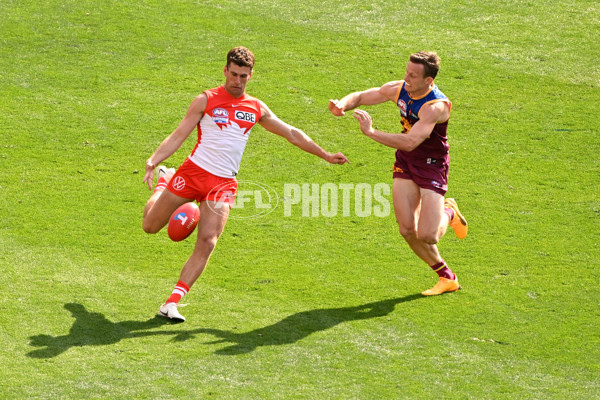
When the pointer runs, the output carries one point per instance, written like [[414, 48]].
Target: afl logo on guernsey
[[245, 116], [220, 116], [402, 107]]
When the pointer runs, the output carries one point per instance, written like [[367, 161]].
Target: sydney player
[[224, 117], [422, 160]]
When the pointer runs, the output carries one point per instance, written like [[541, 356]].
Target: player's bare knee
[[207, 242], [407, 232], [429, 237], [150, 226]]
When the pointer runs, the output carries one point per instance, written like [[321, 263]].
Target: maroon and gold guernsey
[[434, 149]]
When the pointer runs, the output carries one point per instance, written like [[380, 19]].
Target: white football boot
[[168, 173], [169, 310]]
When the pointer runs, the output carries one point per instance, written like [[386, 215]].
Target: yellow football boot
[[444, 285], [458, 223]]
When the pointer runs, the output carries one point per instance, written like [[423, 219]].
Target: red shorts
[[428, 175], [192, 182]]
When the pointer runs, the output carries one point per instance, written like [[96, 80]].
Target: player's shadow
[[94, 329], [300, 325]]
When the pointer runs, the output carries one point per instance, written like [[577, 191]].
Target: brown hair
[[429, 59], [240, 56]]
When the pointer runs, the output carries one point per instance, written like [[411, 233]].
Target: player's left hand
[[366, 122], [337, 158]]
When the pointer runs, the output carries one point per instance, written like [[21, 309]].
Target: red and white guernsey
[[223, 132]]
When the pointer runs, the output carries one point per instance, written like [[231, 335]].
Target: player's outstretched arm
[[174, 141], [367, 97], [270, 122], [430, 115]]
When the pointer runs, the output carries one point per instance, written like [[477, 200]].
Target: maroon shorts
[[431, 174], [192, 182]]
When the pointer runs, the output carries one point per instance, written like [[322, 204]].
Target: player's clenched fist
[[335, 108]]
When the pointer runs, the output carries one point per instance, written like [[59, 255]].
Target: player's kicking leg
[[158, 210], [162, 203]]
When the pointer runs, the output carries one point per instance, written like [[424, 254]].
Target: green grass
[[295, 307]]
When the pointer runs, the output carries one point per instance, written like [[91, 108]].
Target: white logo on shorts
[[439, 185], [178, 183]]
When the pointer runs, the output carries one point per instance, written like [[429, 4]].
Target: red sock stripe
[[183, 286], [159, 189], [160, 185], [179, 291]]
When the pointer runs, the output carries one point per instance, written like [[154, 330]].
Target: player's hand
[[366, 122], [335, 109], [149, 176], [337, 158]]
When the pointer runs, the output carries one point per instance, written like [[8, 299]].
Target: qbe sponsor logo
[[245, 116]]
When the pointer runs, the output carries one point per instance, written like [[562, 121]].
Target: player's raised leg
[[213, 217], [457, 221], [162, 203]]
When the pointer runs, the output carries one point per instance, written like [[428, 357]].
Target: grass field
[[292, 306]]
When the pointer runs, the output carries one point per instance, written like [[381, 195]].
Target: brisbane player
[[422, 160]]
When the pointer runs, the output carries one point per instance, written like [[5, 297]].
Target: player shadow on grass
[[94, 329], [300, 325]]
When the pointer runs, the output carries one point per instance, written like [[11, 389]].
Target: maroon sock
[[443, 271]]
